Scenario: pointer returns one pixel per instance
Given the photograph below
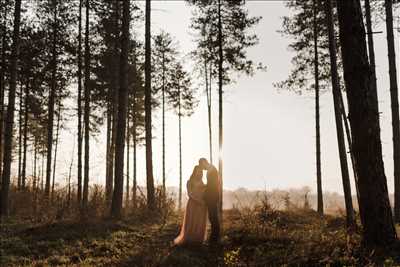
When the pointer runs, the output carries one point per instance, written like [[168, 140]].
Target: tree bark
[[86, 111], [128, 143], [134, 188], [2, 85], [79, 193], [180, 148], [209, 105], [19, 183], [375, 211], [108, 148], [320, 204], [394, 95], [149, 157], [26, 114], [116, 205], [52, 97], [350, 219], [349, 142], [8, 134], [35, 176], [220, 100], [163, 124], [370, 35], [114, 85], [56, 148]]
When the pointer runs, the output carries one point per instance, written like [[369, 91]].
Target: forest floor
[[250, 239]]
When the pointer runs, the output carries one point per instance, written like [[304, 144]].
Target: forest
[[89, 93]]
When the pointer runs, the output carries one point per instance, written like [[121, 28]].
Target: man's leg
[[214, 220]]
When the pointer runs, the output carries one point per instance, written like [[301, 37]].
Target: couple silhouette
[[203, 199]]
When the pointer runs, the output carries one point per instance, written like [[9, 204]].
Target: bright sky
[[269, 135]]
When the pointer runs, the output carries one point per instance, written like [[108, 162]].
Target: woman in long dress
[[195, 219]]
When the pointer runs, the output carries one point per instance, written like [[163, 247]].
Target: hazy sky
[[269, 135]]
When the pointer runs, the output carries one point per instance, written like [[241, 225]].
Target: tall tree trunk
[[317, 120], [350, 219], [163, 125], [128, 143], [56, 148], [52, 97], [69, 177], [108, 147], [349, 141], [209, 103], [35, 176], [375, 211], [134, 188], [395, 106], [42, 174], [8, 134], [116, 205], [114, 85], [79, 194], [20, 137], [134, 125], [2, 84], [26, 113], [149, 157], [180, 148], [220, 100], [86, 110]]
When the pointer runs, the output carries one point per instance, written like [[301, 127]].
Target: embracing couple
[[203, 199]]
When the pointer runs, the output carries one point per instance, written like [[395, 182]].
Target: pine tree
[[148, 106], [375, 212], [116, 206], [181, 97], [8, 134], [338, 116]]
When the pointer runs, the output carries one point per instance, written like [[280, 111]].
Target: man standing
[[211, 197]]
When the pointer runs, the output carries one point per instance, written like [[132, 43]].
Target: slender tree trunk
[[209, 97], [115, 86], [149, 157], [69, 178], [56, 148], [349, 141], [108, 147], [52, 97], [371, 50], [8, 134], [42, 175], [134, 189], [80, 105], [375, 211], [220, 100], [35, 184], [26, 114], [20, 138], [2, 84], [180, 149], [317, 116], [110, 174], [134, 125], [163, 124], [35, 176], [116, 205], [338, 117], [86, 111], [394, 95], [128, 143]]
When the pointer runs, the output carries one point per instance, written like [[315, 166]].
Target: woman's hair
[[195, 172]]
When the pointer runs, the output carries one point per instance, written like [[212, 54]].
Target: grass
[[250, 238]]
